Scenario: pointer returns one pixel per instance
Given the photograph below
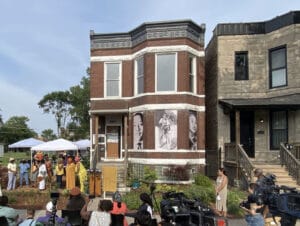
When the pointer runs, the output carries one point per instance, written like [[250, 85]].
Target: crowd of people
[[42, 170]]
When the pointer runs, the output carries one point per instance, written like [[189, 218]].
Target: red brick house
[[148, 97]]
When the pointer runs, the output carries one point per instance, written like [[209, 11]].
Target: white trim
[[149, 161], [120, 79], [168, 151], [150, 107], [109, 111], [151, 49], [151, 94]]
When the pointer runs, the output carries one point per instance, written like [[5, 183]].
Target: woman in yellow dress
[[70, 173], [81, 172]]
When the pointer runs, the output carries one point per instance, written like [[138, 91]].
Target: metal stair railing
[[291, 163]]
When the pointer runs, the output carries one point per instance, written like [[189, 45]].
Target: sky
[[45, 46]]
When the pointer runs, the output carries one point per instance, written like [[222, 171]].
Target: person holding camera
[[253, 207]]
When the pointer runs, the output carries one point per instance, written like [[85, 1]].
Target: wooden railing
[[236, 153], [295, 150], [288, 159]]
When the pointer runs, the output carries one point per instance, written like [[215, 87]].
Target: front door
[[113, 142], [247, 132]]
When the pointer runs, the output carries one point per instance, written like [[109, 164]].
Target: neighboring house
[[253, 88], [147, 97]]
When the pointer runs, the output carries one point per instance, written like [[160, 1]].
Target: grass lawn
[[16, 155]]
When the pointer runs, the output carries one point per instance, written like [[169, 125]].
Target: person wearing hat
[[70, 173], [12, 174], [76, 201], [44, 220], [119, 207], [81, 172]]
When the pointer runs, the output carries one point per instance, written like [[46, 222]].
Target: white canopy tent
[[83, 144], [56, 145], [26, 143]]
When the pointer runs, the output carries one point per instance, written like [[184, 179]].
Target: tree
[[79, 97], [48, 134], [15, 129], [58, 104]]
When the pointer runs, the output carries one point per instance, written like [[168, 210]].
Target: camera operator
[[253, 207]]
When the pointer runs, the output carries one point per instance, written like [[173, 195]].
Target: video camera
[[177, 209], [282, 201]]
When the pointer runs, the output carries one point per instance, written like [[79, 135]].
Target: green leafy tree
[[15, 129], [48, 134], [57, 103], [79, 97]]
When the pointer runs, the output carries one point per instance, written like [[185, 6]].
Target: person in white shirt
[[102, 217], [12, 174]]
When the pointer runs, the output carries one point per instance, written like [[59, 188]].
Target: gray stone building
[[253, 89]]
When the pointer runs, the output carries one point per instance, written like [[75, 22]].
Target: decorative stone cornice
[[149, 31]]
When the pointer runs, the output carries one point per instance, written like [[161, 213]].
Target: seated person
[[9, 213], [76, 201], [49, 211], [119, 207], [101, 217], [29, 218]]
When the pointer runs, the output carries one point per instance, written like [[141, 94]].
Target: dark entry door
[[247, 132]]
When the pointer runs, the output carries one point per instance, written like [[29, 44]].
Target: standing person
[[48, 167], [165, 127], [254, 208], [70, 173], [29, 218], [76, 201], [59, 172], [147, 204], [12, 174], [24, 167], [34, 173], [102, 217], [192, 131], [119, 207], [138, 130], [42, 175], [9, 213], [259, 174], [81, 173], [221, 192]]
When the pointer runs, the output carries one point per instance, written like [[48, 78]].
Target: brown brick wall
[[183, 72], [149, 130], [96, 79], [149, 72], [200, 75], [127, 78], [182, 129]]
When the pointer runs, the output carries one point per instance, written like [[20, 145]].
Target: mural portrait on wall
[[138, 130], [193, 128], [166, 129]]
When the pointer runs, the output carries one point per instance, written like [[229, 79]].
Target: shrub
[[206, 194], [234, 197], [149, 174], [203, 181]]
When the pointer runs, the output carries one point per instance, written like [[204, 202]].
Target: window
[[192, 73], [166, 72], [139, 75], [241, 66], [278, 69], [112, 77], [279, 130]]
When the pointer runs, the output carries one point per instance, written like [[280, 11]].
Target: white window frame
[[176, 60], [193, 74], [136, 76], [120, 78]]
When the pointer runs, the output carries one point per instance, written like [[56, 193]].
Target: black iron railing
[[288, 159]]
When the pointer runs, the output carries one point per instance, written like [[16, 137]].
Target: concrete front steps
[[282, 175]]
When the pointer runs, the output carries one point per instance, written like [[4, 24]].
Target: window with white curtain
[[139, 75], [279, 129], [112, 79], [166, 72], [192, 73], [278, 67]]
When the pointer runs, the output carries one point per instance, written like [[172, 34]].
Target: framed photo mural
[[138, 130], [166, 129], [193, 129]]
